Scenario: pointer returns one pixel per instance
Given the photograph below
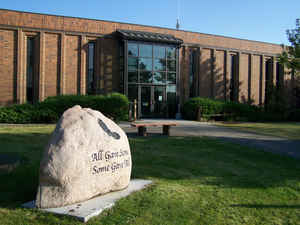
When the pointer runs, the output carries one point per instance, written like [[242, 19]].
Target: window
[[30, 74], [192, 72], [233, 92], [279, 75], [268, 81], [151, 63], [91, 69]]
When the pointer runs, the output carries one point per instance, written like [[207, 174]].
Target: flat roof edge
[[215, 35]]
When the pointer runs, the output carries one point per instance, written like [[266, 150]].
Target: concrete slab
[[93, 207]]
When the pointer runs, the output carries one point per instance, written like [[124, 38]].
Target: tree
[[290, 57]]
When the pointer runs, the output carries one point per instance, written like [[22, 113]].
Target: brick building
[[46, 55]]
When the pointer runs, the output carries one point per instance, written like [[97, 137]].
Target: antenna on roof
[[177, 22]]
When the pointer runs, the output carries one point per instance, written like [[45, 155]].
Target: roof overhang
[[149, 37]]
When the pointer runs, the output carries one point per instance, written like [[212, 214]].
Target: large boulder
[[87, 155]]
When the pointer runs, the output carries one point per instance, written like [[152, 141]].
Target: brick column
[[62, 84], [274, 70], [97, 66], [212, 72], [262, 80], [199, 51], [20, 68], [83, 50], [42, 68], [227, 75], [250, 76], [237, 80], [184, 74]]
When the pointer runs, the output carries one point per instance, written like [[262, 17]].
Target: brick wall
[[62, 59], [8, 58], [52, 59]]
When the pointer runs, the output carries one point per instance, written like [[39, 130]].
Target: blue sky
[[261, 20]]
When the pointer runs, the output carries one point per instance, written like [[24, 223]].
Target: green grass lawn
[[197, 181], [289, 130]]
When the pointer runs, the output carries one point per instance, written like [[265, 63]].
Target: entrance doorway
[[152, 101]]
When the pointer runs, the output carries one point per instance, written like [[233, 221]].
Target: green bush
[[240, 111], [207, 106], [114, 105], [294, 115], [233, 111]]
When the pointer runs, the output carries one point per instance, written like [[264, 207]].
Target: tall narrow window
[[233, 78], [30, 75], [91, 87], [279, 75], [192, 71], [268, 81]]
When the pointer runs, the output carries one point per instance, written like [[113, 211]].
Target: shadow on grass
[[282, 147], [20, 185], [261, 206]]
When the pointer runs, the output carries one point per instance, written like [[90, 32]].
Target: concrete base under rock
[[93, 207]]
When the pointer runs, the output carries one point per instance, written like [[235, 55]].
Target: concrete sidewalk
[[193, 128]]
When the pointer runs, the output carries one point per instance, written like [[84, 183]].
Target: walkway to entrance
[[193, 128]]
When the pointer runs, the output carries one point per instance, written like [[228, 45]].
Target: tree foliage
[[291, 55]]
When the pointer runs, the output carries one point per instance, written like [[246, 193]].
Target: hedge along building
[[46, 55]]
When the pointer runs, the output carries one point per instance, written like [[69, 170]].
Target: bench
[[142, 127]]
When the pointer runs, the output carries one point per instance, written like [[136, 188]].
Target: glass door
[[159, 101], [153, 101], [145, 101]]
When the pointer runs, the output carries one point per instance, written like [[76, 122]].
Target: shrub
[[207, 106], [294, 115], [114, 105], [231, 110]]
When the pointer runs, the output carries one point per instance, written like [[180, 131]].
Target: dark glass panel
[[171, 65], [132, 92], [145, 63], [145, 101], [91, 55], [159, 77], [30, 71], [145, 77], [121, 49], [145, 50], [132, 76], [159, 52], [132, 63], [90, 77], [160, 64], [160, 106], [132, 49], [171, 99], [171, 52], [171, 78]]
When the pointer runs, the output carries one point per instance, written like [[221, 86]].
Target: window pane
[[171, 78], [171, 65], [171, 52], [159, 77], [171, 99], [132, 77], [132, 49], [145, 63], [91, 55], [160, 64], [132, 92], [145, 77], [159, 52], [30, 71], [145, 50], [132, 63]]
